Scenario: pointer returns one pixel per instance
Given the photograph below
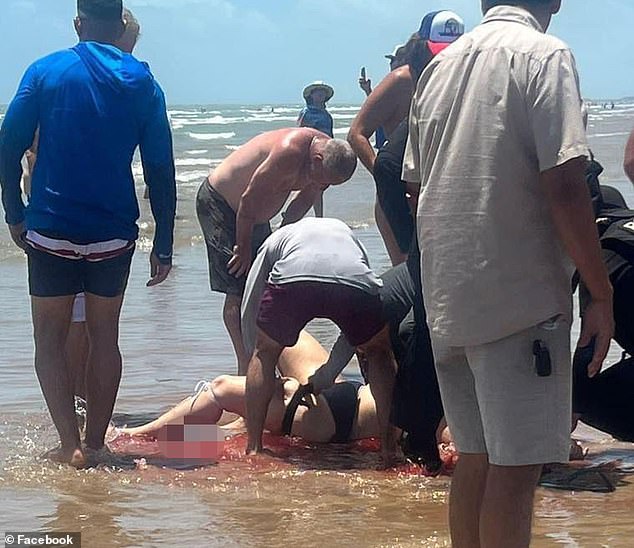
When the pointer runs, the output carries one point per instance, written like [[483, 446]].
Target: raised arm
[[16, 136], [377, 109], [157, 157]]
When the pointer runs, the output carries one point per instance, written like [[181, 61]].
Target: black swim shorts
[[54, 276], [218, 223]]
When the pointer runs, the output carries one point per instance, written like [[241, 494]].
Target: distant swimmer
[[315, 269], [315, 115], [79, 228], [236, 202]]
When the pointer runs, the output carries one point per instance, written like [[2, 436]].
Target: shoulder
[[289, 147], [53, 60], [400, 77]]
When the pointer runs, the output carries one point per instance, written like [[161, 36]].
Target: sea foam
[[211, 136]]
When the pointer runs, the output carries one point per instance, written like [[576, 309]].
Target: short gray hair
[[339, 159]]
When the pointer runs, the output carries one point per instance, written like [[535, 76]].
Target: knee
[[231, 311], [48, 339], [516, 477], [218, 385]]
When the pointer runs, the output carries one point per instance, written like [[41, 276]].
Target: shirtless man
[[237, 201]]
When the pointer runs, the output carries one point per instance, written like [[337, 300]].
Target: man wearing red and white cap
[[497, 143]]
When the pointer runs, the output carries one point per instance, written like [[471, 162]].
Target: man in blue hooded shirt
[[93, 105]]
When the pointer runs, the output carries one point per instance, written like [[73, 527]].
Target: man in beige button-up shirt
[[497, 142]]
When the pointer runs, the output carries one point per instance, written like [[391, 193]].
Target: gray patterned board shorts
[[218, 223]]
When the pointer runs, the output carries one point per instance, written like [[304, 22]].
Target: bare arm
[[379, 108], [569, 201], [300, 205], [628, 163]]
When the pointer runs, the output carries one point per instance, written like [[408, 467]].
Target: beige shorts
[[495, 403]]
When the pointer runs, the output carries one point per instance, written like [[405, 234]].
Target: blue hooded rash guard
[[93, 105]]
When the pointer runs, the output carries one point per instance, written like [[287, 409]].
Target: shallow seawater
[[172, 336]]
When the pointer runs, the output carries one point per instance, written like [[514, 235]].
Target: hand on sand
[[239, 263], [158, 271], [17, 235], [597, 323]]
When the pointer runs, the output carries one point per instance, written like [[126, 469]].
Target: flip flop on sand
[[597, 478]]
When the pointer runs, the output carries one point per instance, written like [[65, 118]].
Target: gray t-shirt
[[311, 250]]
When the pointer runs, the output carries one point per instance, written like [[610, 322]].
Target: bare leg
[[103, 370], [51, 317], [393, 250], [507, 507], [77, 357], [381, 376], [465, 500], [231, 317], [224, 393], [260, 388], [205, 408]]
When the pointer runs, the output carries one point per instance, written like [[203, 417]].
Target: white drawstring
[[201, 387]]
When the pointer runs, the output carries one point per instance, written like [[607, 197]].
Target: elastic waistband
[[93, 252]]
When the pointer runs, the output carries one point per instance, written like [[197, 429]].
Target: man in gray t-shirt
[[315, 268]]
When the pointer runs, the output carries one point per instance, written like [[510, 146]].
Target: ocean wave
[[616, 134], [344, 109], [341, 131], [214, 120], [184, 162], [232, 147], [271, 118], [196, 112], [211, 136], [190, 176], [196, 152]]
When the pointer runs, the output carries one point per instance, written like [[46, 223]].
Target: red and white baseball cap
[[441, 28]]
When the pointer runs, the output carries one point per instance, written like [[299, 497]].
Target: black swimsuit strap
[[299, 398]]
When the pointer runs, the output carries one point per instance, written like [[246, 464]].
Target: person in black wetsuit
[[417, 406], [605, 401]]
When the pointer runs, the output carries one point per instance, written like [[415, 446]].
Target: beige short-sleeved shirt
[[490, 113]]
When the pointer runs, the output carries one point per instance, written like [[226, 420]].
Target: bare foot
[[74, 457]]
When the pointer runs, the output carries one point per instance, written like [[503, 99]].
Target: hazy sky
[[250, 51]]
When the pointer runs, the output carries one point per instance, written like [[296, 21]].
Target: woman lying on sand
[[341, 413]]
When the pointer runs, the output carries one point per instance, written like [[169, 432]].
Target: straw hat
[[319, 85]]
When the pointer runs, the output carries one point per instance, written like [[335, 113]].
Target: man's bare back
[[279, 159]]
